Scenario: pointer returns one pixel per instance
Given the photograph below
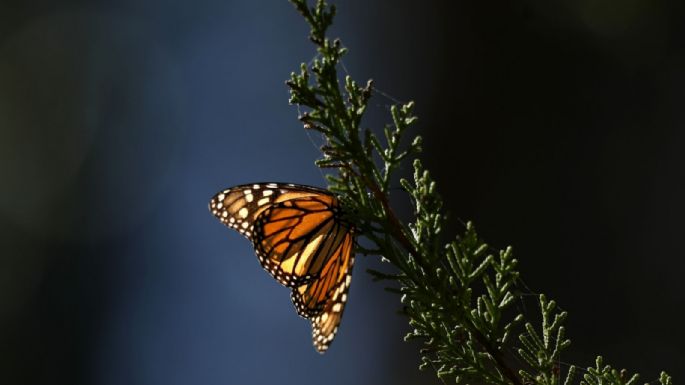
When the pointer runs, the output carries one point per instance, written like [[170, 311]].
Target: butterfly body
[[301, 239]]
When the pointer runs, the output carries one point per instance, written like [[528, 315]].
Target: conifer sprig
[[458, 296]]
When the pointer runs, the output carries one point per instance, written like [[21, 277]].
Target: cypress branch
[[458, 296]]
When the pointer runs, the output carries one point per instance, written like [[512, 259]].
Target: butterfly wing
[[310, 242], [301, 241], [240, 207], [324, 298]]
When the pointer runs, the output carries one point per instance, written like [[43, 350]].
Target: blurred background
[[557, 127]]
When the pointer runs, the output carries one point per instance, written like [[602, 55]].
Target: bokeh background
[[556, 126]]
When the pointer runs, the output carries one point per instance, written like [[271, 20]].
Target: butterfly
[[301, 238]]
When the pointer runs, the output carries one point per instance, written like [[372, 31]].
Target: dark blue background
[[558, 128]]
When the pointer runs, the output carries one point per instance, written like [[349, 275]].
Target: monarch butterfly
[[302, 240]]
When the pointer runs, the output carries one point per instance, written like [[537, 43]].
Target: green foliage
[[458, 296], [541, 352]]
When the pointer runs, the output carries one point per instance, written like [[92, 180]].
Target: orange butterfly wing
[[301, 241]]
